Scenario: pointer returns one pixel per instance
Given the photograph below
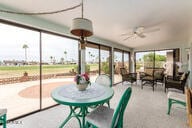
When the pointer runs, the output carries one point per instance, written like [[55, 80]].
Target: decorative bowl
[[82, 86]]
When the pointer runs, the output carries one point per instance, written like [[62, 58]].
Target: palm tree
[[62, 60], [65, 53], [51, 58], [25, 46], [89, 56]]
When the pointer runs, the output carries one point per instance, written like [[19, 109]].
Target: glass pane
[[105, 60], [126, 60], [118, 63], [164, 59], [19, 70], [160, 59], [92, 61], [60, 64], [144, 62]]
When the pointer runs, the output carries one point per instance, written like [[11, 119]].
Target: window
[[105, 60], [92, 60], [59, 64], [146, 61], [126, 60], [118, 63], [121, 59], [19, 70], [27, 88]]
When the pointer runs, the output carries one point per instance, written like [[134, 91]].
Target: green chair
[[3, 117], [104, 80], [175, 98], [104, 117]]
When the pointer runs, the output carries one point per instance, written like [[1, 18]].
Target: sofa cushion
[[183, 76]]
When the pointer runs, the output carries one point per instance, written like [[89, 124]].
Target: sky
[[13, 38]]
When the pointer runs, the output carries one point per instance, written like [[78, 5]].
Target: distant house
[[13, 62]]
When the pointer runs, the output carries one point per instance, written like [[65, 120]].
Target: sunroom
[[39, 53]]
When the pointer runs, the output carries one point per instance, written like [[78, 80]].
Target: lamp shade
[[82, 27]]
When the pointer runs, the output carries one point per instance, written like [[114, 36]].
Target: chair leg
[[87, 125], [169, 106], [3, 120], [153, 84], [108, 103]]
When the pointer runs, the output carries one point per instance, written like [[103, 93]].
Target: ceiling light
[[82, 27]]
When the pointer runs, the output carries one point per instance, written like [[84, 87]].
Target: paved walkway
[[22, 98]]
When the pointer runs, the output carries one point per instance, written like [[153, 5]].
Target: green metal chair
[[104, 80], [175, 98], [104, 117], [3, 117]]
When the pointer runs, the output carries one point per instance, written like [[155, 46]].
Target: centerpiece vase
[[82, 86]]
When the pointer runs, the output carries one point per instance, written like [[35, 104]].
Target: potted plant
[[82, 81]]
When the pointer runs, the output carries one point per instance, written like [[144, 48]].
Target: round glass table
[[79, 101]]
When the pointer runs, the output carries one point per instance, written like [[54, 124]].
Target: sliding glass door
[[118, 63], [126, 60], [19, 70], [145, 61], [92, 60], [105, 60], [59, 64]]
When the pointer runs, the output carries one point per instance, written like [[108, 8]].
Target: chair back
[[189, 106], [104, 80], [159, 74], [117, 120], [186, 75], [123, 71]]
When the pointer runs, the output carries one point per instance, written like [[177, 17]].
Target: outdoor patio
[[146, 109]]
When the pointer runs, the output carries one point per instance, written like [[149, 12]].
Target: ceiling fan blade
[[155, 24], [141, 35], [125, 34], [151, 30], [127, 38]]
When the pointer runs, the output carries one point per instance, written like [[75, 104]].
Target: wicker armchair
[[130, 77], [176, 83], [157, 75]]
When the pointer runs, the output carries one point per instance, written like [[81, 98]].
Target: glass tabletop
[[93, 95]]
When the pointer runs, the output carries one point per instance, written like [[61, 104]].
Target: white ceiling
[[112, 18]]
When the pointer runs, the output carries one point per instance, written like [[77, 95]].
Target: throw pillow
[[183, 76]]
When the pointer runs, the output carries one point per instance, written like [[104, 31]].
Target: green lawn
[[17, 71]]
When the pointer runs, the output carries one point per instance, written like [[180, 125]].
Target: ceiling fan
[[139, 32]]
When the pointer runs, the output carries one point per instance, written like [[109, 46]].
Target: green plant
[[87, 68], [105, 67]]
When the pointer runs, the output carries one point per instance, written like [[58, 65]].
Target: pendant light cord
[[82, 7], [43, 13]]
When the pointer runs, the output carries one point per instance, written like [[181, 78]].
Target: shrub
[[87, 68], [105, 67]]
